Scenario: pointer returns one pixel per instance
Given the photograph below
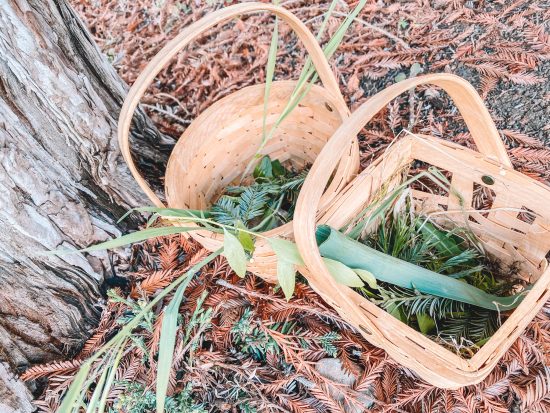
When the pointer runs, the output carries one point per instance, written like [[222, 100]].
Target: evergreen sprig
[[266, 203]]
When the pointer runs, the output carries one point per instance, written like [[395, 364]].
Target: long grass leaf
[[309, 76], [168, 212], [137, 236], [100, 385], [111, 377], [70, 401], [337, 246], [269, 72], [167, 343]]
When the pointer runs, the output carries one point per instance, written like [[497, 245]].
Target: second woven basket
[[502, 228]]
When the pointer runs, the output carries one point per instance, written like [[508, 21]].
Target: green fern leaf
[[226, 211], [252, 203]]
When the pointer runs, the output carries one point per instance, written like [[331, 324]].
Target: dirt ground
[[501, 47]]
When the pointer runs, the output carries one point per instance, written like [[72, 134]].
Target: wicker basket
[[219, 144], [503, 229]]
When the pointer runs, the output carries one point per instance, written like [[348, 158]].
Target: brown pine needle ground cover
[[245, 348], [248, 349]]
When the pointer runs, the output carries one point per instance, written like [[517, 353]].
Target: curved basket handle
[[470, 106], [187, 36]]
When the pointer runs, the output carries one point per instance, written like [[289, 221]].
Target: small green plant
[[248, 338], [268, 202], [137, 399]]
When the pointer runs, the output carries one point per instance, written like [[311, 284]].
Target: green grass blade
[[167, 343], [309, 76], [169, 212], [100, 385], [307, 70], [111, 377], [328, 14], [269, 73], [337, 246], [70, 400], [137, 236]]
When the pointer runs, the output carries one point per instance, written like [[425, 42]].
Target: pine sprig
[[266, 203]]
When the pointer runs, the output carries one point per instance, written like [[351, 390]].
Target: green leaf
[[443, 242], [137, 236], [235, 254], [368, 277], [70, 400], [286, 275], [278, 168], [286, 250], [167, 343], [425, 323], [337, 246], [264, 169], [342, 273], [397, 312], [246, 241]]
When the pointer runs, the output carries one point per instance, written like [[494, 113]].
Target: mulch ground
[[501, 47]]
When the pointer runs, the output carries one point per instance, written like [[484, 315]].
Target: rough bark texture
[[63, 182], [14, 396]]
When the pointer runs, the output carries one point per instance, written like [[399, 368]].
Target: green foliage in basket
[[388, 268], [437, 280], [266, 203]]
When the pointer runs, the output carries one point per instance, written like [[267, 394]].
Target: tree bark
[[63, 182]]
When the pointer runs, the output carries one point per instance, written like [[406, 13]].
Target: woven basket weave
[[219, 144], [503, 229]]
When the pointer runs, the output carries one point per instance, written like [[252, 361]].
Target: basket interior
[[504, 208], [218, 146], [497, 204]]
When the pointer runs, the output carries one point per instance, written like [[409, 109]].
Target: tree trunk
[[63, 182]]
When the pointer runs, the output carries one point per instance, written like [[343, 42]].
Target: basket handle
[[187, 36], [470, 106]]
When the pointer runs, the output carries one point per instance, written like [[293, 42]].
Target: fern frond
[[252, 203], [414, 302], [471, 325], [226, 211]]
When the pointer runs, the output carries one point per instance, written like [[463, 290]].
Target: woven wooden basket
[[503, 229], [219, 144]]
